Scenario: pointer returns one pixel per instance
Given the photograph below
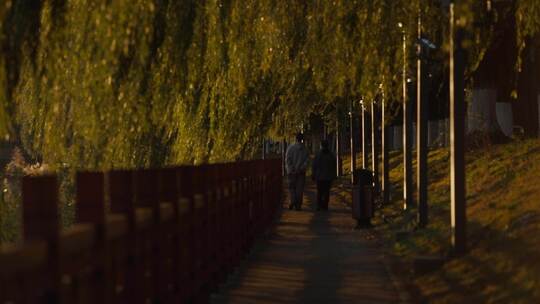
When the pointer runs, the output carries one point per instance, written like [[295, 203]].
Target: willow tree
[[98, 84]]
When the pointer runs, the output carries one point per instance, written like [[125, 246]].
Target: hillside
[[503, 197]]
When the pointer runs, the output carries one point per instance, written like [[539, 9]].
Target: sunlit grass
[[503, 198]]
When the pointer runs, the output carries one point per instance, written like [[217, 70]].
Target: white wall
[[438, 135], [397, 138], [505, 117], [479, 116], [433, 132]]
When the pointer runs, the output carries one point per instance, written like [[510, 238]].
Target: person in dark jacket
[[324, 172]]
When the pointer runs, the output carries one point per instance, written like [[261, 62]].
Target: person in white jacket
[[296, 163]]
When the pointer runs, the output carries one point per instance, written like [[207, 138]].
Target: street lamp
[[385, 189], [407, 128], [457, 60], [364, 134], [339, 168], [353, 148], [374, 146]]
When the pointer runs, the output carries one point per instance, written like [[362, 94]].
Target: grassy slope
[[503, 197]]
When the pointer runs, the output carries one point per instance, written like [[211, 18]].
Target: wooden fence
[[142, 236]]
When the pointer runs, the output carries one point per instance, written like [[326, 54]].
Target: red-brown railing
[[142, 236]]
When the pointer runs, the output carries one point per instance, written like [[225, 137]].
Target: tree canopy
[[134, 83]]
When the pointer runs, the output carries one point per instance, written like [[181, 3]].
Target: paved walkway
[[312, 257]]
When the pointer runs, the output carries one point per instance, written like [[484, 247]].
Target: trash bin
[[362, 197]]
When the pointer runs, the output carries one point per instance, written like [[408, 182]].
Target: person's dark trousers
[[323, 194], [296, 189]]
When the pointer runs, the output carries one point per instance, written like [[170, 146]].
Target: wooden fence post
[[168, 198], [186, 189], [42, 222], [90, 208], [139, 247], [70, 256], [162, 234]]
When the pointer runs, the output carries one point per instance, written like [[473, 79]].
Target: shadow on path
[[312, 257]]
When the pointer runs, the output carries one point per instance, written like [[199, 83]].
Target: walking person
[[323, 173], [296, 162]]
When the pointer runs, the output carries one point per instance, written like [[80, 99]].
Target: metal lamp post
[[457, 62], [364, 135], [283, 153], [384, 147], [407, 128], [374, 146], [457, 135], [339, 169], [421, 132], [352, 136]]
